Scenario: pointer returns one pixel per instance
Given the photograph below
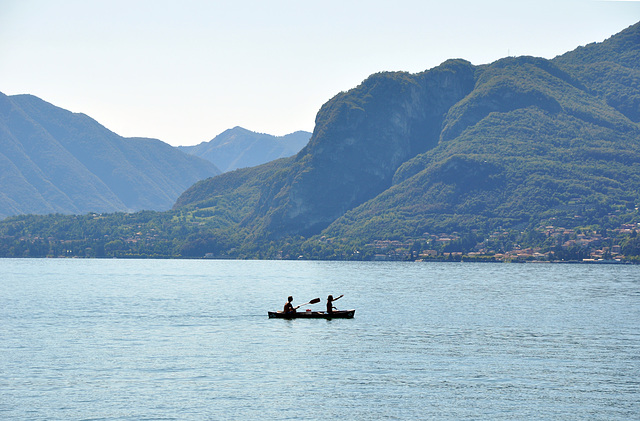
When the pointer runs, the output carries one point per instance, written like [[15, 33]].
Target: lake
[[191, 340]]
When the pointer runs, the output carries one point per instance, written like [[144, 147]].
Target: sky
[[185, 71]]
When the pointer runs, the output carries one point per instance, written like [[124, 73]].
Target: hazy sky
[[184, 71]]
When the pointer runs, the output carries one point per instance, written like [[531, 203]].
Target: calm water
[[171, 339]]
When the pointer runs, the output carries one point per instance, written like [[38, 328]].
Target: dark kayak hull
[[340, 314]]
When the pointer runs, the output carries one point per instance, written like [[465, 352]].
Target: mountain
[[239, 148], [524, 152], [521, 142], [55, 161]]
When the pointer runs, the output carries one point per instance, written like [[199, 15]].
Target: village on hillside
[[584, 246]]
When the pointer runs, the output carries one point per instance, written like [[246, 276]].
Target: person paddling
[[330, 301], [288, 307]]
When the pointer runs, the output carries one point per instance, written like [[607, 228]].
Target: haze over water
[[190, 339]]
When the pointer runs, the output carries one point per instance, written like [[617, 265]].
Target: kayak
[[338, 314]]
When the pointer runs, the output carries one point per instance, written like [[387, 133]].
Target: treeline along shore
[[151, 234]]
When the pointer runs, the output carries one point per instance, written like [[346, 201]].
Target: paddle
[[315, 300]]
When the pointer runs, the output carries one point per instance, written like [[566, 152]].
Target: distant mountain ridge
[[240, 148], [55, 161]]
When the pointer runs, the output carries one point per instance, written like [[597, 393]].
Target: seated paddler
[[288, 307]]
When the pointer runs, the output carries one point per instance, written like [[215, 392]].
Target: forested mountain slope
[[609, 70], [543, 155], [515, 143]]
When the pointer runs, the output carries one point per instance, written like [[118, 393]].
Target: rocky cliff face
[[361, 138]]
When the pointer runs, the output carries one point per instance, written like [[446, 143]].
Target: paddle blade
[[315, 300]]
